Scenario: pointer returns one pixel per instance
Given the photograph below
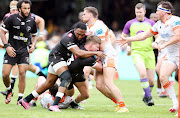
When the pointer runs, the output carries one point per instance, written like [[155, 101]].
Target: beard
[[24, 16]]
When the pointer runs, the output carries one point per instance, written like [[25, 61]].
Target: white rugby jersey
[[48, 100], [99, 29], [166, 30]]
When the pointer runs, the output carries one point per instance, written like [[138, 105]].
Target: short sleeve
[[68, 41], [154, 30], [176, 24], [6, 24]]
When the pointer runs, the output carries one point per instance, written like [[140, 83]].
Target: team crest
[[28, 28]]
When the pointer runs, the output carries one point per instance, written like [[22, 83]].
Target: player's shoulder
[[68, 35], [175, 18], [7, 15]]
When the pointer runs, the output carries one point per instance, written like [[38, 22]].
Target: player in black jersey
[[35, 69], [21, 29], [76, 66], [58, 66]]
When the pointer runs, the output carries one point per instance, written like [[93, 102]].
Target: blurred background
[[60, 15]]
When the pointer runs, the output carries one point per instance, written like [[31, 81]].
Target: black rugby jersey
[[76, 64], [20, 31], [68, 41]]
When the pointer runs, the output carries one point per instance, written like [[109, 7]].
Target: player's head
[[89, 12], [13, 7], [92, 43], [80, 16], [24, 7], [53, 90], [163, 8], [140, 11], [80, 30], [153, 17]]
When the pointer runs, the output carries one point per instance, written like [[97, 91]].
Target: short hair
[[81, 25], [93, 38], [53, 90], [13, 4], [93, 10], [19, 4], [167, 5], [140, 5]]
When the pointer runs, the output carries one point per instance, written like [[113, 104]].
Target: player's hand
[[154, 45], [11, 51], [32, 48], [161, 47], [122, 41], [100, 54]]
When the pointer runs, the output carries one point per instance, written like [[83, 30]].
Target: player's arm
[[98, 66], [34, 38], [155, 44], [138, 37], [41, 24], [112, 37], [82, 53], [127, 45], [3, 30], [2, 46], [175, 39]]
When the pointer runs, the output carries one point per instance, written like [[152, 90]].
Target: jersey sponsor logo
[[22, 23], [20, 38], [177, 23], [16, 27], [140, 32], [100, 31], [70, 44], [70, 35], [28, 28], [165, 35]]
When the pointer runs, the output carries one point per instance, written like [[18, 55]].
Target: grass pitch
[[97, 106]]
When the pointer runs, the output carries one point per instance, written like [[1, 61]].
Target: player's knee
[[22, 74], [65, 79], [86, 95], [5, 75]]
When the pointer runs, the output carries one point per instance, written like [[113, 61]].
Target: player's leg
[[40, 80], [167, 68], [51, 79], [87, 71], [84, 94], [140, 66], [22, 82], [36, 70], [150, 76], [5, 75], [100, 85], [160, 90], [108, 75]]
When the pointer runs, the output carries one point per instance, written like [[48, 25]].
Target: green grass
[[97, 106]]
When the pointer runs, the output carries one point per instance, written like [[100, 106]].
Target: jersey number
[[70, 60]]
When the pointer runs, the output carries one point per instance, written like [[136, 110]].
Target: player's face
[[95, 47], [140, 14], [14, 11], [79, 33], [86, 16], [25, 9], [154, 17], [160, 14]]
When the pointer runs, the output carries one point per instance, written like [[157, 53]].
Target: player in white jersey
[[104, 80], [168, 27]]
